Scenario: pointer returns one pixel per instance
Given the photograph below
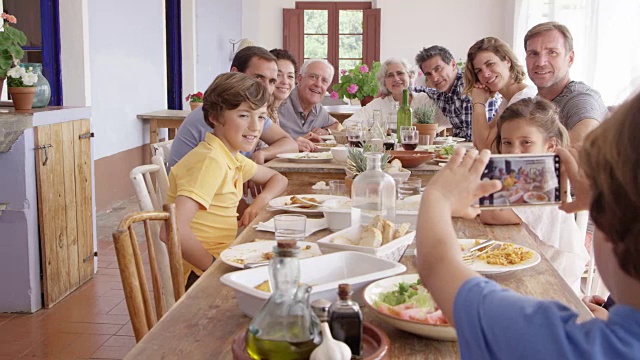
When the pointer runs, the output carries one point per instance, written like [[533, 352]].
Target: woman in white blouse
[[492, 67], [394, 76]]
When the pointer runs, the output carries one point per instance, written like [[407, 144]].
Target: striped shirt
[[579, 101], [458, 107]]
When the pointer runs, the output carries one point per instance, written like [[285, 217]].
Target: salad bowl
[[380, 291]]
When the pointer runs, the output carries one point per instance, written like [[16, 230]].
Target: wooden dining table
[[203, 323], [169, 119], [305, 175]]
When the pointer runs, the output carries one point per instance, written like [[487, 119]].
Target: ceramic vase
[[22, 97]]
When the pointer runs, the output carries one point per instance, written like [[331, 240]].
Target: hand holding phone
[[527, 180], [457, 186]]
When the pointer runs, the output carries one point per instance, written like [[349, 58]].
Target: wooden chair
[[163, 150], [151, 198], [132, 272]]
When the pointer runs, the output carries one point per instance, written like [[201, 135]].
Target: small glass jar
[[43, 89]]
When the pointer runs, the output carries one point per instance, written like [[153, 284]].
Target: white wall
[[128, 70], [407, 25], [216, 23]]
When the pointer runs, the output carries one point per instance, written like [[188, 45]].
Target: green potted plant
[[22, 87], [11, 42], [357, 83], [195, 100], [425, 120]]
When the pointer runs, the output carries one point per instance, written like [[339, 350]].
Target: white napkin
[[313, 225]]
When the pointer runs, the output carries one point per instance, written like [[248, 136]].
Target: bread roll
[[401, 230], [371, 237]]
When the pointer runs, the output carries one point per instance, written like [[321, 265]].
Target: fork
[[474, 252]]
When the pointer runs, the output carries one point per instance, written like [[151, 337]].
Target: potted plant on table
[[357, 163], [425, 117], [195, 100], [357, 83], [11, 42], [22, 87]]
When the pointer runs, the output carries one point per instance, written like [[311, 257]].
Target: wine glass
[[409, 137], [355, 136]]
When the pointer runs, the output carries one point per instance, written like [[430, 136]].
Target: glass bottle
[[284, 328], [345, 320], [393, 116], [43, 89], [405, 114], [378, 126], [373, 193]]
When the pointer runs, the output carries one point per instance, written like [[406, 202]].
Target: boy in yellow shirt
[[206, 184]]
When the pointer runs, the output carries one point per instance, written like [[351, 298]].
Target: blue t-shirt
[[496, 323], [192, 131]]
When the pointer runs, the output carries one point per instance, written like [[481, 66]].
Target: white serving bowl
[[392, 250], [400, 176], [433, 331], [340, 154], [338, 219], [354, 268]]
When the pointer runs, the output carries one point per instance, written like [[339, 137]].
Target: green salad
[[413, 294], [446, 151]]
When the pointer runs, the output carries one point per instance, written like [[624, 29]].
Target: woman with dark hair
[[287, 72]]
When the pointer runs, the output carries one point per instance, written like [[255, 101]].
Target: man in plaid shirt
[[445, 87]]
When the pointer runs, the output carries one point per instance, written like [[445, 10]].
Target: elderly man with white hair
[[395, 75], [301, 114]]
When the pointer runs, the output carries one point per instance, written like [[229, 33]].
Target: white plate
[[433, 331], [327, 137], [441, 161], [483, 268], [530, 197], [252, 252], [282, 201], [307, 157]]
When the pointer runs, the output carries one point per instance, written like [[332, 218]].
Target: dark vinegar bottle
[[345, 320]]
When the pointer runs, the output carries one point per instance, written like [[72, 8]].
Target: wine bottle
[[405, 114]]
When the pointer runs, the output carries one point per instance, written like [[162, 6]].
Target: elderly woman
[[492, 67], [394, 76]]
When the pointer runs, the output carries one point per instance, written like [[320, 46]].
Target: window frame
[[333, 53]]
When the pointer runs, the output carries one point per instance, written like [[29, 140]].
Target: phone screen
[[526, 180]]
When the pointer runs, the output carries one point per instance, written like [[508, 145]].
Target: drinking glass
[[338, 188], [424, 139], [290, 226], [409, 187], [355, 136], [409, 136]]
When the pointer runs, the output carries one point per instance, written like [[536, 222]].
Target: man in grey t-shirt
[[260, 64], [549, 48], [301, 114]]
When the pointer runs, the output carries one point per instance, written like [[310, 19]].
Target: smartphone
[[527, 180]]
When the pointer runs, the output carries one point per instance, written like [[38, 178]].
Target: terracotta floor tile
[[15, 348], [106, 264], [51, 347], [88, 328], [114, 278], [111, 271], [84, 346], [5, 317], [120, 309], [111, 352], [115, 293], [122, 341], [113, 265], [126, 330]]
